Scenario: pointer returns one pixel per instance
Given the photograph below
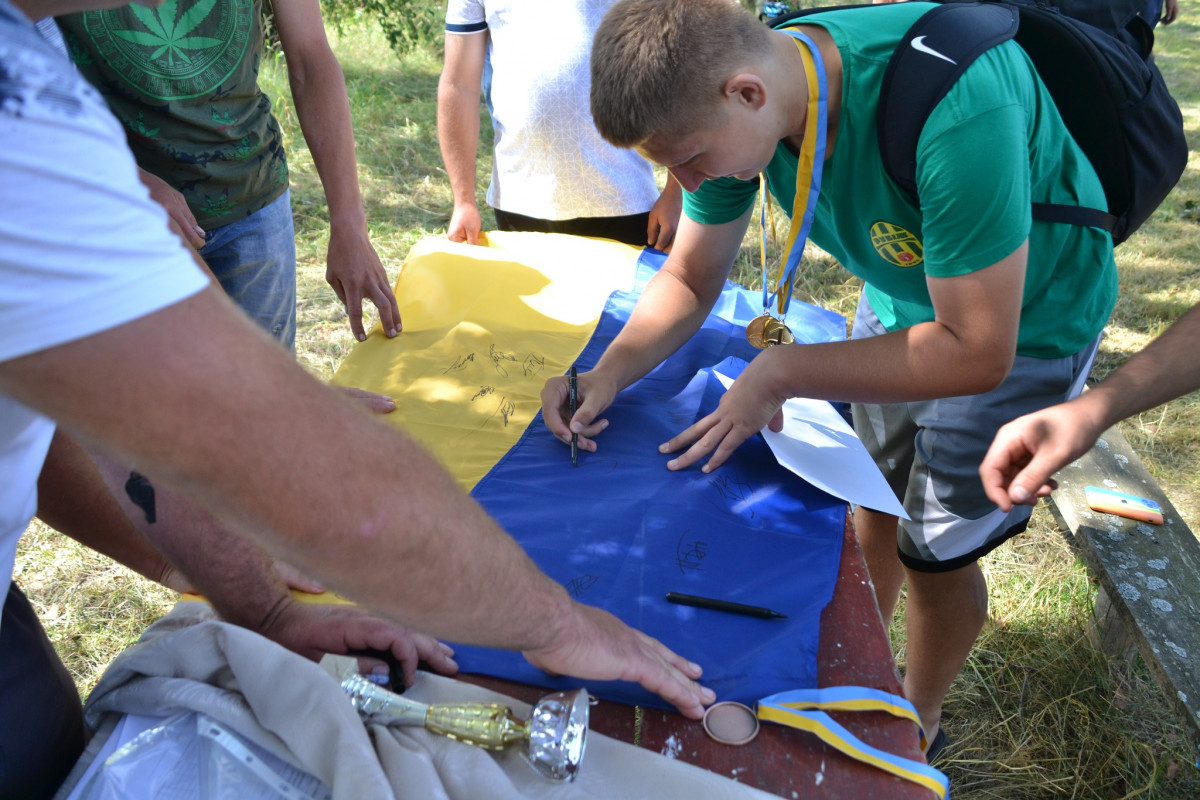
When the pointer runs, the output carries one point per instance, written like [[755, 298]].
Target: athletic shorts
[[930, 452]]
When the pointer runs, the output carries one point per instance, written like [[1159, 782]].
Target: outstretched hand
[[312, 630], [601, 647], [1029, 450], [744, 410], [594, 395]]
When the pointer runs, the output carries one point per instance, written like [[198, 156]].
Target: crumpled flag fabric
[[484, 328]]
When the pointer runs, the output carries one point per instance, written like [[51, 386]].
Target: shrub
[[407, 24]]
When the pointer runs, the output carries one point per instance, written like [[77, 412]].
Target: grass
[[1037, 712]]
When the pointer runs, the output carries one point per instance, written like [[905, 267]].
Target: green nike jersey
[[993, 146]]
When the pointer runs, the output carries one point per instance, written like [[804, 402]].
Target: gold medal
[[764, 331], [769, 328], [755, 329], [775, 332]]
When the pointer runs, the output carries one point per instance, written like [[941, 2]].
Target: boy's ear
[[747, 88]]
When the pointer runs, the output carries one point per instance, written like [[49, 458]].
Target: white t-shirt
[[549, 161], [83, 248]]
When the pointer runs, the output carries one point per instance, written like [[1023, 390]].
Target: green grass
[[1037, 712]]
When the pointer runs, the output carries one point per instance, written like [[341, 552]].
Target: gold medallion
[[775, 332], [754, 330]]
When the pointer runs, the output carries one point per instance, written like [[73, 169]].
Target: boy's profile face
[[737, 144]]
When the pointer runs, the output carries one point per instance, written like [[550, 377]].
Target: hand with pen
[[577, 426]]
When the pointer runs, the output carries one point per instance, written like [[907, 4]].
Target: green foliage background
[[406, 24]]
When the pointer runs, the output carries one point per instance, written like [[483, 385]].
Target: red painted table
[[786, 762]]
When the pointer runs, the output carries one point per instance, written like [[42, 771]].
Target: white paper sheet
[[818, 445]]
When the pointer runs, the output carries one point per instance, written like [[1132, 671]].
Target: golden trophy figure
[[553, 737]]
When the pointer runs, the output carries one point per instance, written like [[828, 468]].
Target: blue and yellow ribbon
[[804, 709], [808, 179]]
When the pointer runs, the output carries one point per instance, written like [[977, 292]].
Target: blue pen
[[574, 393]]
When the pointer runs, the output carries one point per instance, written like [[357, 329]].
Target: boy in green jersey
[[971, 314]]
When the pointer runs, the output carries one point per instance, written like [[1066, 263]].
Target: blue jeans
[[1152, 12], [254, 260]]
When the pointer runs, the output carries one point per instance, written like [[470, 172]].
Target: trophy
[[553, 737]]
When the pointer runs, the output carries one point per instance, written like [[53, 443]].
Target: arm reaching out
[[82, 495], [388, 528], [1029, 450], [967, 348], [672, 308]]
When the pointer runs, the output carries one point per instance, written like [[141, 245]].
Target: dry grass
[[1037, 712]]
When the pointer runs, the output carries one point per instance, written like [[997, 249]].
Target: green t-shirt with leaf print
[[183, 79]]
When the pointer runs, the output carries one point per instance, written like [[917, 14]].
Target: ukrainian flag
[[484, 327]]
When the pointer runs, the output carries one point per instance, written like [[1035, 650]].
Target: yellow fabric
[[484, 327]]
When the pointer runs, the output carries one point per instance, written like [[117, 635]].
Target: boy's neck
[[790, 80]]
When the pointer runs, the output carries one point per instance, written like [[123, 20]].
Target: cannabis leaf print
[[169, 34]]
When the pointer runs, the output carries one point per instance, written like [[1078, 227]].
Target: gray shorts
[[930, 452]]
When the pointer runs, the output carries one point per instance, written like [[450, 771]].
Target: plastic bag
[[191, 755]]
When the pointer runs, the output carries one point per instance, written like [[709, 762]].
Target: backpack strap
[[931, 56], [1075, 215]]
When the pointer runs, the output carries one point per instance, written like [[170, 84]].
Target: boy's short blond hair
[[660, 66]]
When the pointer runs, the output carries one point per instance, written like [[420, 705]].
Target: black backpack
[[1109, 93]]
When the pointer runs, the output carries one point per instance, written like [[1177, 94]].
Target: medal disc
[[755, 329], [775, 332]]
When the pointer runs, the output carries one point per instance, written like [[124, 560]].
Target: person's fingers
[[554, 399], [672, 677], [369, 665], [652, 231], [372, 401], [389, 309], [704, 437], [687, 436], [404, 648], [354, 312], [591, 429], [295, 579], [438, 655], [995, 472], [1030, 483], [729, 442]]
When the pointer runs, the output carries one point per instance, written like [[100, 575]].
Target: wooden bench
[[1149, 575]]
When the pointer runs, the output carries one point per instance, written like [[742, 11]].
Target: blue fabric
[[621, 530]]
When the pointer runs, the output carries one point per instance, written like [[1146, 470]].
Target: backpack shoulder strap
[[930, 57]]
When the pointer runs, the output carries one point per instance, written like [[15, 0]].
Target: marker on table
[[723, 605], [574, 404]]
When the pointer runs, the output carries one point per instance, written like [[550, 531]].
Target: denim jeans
[[254, 260]]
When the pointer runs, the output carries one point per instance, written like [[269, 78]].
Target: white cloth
[[549, 160], [82, 246], [290, 706]]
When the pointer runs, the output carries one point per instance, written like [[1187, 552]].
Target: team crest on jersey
[[897, 246]]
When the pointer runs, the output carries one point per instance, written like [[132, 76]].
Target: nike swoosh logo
[[919, 45]]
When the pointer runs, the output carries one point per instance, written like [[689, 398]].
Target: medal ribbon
[[808, 178], [796, 709]]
